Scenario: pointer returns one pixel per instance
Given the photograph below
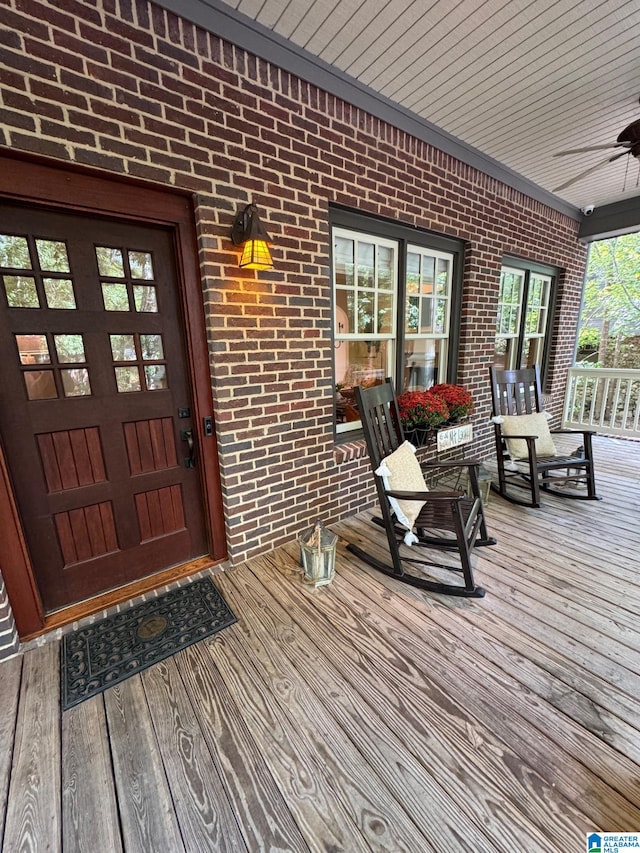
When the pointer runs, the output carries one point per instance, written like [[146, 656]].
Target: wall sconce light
[[248, 231]]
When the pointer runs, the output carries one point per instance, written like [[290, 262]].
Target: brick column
[[9, 640]]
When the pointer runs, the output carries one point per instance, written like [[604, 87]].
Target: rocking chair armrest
[[452, 463], [573, 432], [529, 437], [425, 496]]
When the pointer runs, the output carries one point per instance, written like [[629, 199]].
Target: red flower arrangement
[[422, 408], [440, 404], [459, 401]]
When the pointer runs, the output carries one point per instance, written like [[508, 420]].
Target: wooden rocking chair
[[526, 454], [413, 517]]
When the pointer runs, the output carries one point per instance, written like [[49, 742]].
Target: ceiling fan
[[629, 139]]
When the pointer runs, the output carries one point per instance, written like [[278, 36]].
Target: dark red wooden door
[[95, 403]]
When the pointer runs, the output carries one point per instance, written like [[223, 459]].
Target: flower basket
[[419, 435]]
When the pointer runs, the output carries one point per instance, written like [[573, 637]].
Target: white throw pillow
[[401, 472], [535, 424]]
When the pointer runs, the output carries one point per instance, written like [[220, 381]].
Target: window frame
[[404, 235], [528, 269]]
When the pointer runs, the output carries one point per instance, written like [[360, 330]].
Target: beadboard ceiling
[[518, 80]]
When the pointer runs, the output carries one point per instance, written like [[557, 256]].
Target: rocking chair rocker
[[526, 454], [441, 519]]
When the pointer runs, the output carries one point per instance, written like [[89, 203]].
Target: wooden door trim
[[75, 190], [15, 564]]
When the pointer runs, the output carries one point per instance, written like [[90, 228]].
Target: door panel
[[95, 412]]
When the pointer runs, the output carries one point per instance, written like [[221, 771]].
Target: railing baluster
[[605, 399]]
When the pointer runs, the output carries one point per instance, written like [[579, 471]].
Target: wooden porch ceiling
[[364, 715]]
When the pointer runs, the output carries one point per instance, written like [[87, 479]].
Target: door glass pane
[[52, 255], [40, 384], [155, 376], [59, 293], [123, 347], [141, 265], [76, 382], [115, 297], [145, 298], [151, 346], [21, 291], [14, 252], [33, 349], [127, 379], [70, 348], [110, 262]]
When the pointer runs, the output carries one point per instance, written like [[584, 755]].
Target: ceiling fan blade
[[590, 170], [591, 148]]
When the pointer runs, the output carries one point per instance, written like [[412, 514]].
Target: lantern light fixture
[[249, 232]]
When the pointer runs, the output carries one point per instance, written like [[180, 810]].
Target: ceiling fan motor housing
[[631, 135]]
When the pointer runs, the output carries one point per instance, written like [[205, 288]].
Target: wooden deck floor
[[365, 715]]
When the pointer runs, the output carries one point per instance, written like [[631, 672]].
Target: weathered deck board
[[260, 809], [203, 810], [33, 819], [149, 821], [293, 760], [89, 808], [366, 715], [10, 673]]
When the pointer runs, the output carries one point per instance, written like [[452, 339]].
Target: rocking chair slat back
[[381, 423], [516, 392]]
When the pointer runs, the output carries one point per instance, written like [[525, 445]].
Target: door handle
[[190, 460]]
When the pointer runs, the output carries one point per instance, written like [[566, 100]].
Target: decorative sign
[[454, 435]]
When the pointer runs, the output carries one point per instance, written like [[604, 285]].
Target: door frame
[[96, 194]]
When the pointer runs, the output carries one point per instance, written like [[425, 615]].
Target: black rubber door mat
[[109, 651]]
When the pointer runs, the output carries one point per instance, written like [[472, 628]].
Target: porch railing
[[604, 399]]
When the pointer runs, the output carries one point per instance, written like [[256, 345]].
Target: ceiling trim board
[[611, 220]]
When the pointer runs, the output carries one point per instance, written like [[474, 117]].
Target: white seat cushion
[[535, 424], [401, 472]]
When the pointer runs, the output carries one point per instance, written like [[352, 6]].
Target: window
[[396, 308], [525, 307]]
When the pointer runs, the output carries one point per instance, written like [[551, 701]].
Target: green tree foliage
[[612, 297], [612, 290]]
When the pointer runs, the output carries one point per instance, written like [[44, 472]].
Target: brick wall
[[9, 640], [129, 88]]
